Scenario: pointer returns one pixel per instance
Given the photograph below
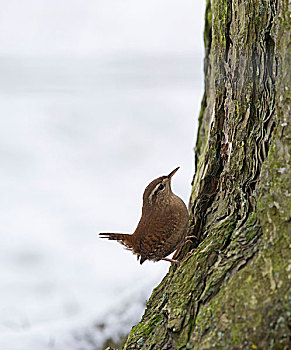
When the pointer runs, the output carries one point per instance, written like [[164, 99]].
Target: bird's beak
[[173, 172]]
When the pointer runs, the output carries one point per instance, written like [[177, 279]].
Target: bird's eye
[[161, 187]]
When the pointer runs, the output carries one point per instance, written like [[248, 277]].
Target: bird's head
[[158, 191]]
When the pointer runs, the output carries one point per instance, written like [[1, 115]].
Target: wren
[[162, 226]]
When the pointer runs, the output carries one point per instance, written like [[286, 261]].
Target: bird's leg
[[177, 262], [172, 261]]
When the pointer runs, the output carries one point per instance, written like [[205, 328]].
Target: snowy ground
[[98, 97], [80, 138]]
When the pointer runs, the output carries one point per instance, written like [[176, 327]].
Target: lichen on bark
[[233, 292]]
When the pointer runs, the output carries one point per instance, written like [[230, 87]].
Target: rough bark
[[233, 292]]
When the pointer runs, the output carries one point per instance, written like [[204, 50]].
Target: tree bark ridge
[[233, 292]]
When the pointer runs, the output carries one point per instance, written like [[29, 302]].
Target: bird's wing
[[156, 242]]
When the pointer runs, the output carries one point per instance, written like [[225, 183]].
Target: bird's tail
[[122, 238]]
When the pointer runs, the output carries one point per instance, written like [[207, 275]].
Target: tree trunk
[[233, 292]]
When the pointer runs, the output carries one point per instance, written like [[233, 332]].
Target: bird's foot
[[189, 238], [188, 254]]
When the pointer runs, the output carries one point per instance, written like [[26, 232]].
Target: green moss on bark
[[233, 291]]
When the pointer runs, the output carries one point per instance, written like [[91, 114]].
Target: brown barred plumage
[[162, 226]]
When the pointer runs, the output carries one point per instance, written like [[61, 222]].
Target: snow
[[81, 136]]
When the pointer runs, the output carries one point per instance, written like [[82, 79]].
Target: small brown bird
[[162, 226]]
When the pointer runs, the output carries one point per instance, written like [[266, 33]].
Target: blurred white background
[[98, 97]]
